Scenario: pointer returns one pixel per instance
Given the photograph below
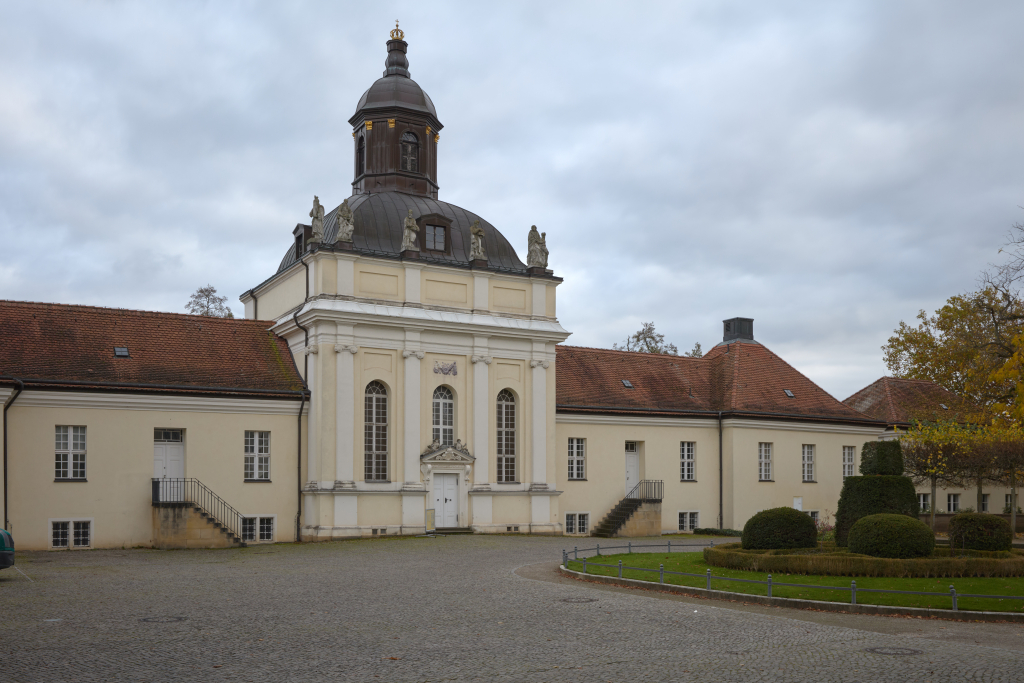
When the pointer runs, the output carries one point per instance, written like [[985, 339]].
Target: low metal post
[[709, 580], [769, 585], [661, 573], [575, 552], [952, 594], [853, 592], [565, 558], [670, 546], [629, 544], [599, 550], [584, 565], [620, 569]]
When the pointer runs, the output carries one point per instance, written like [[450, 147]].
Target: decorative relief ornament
[[317, 214], [312, 348], [537, 249], [539, 364], [345, 224], [476, 248], [411, 232], [397, 33], [445, 368]]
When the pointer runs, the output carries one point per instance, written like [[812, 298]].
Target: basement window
[[121, 352], [788, 393], [626, 383]]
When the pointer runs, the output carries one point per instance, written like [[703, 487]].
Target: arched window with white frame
[[443, 416], [376, 433], [506, 428]]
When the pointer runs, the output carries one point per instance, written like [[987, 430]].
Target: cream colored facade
[[414, 326], [116, 494]]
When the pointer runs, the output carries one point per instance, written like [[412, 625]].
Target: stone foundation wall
[[646, 521], [182, 526]]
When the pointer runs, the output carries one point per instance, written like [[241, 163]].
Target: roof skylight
[[121, 352], [944, 406], [788, 393], [626, 383]]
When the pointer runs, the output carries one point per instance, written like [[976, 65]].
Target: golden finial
[[397, 33]]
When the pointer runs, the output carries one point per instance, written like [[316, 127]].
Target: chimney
[[738, 328]]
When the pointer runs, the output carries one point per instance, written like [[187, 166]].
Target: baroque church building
[[402, 371]]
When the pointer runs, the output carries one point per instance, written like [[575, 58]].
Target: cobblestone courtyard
[[448, 609]]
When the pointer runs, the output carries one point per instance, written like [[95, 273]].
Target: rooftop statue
[[537, 250], [345, 224], [317, 214], [410, 233], [476, 249]]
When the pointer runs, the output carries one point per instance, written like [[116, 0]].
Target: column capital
[[338, 348], [539, 363], [418, 354], [486, 360], [312, 349]]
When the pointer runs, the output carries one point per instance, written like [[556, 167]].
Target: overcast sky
[[827, 169]]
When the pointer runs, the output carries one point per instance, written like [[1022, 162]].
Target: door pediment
[[436, 453]]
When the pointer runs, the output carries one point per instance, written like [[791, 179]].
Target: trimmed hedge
[[872, 495], [780, 528], [822, 562], [717, 532], [894, 536], [881, 457], [979, 531]]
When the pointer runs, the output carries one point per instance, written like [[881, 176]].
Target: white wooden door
[[446, 500], [169, 463], [632, 470]]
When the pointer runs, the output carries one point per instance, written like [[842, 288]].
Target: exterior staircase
[[647, 491], [187, 514]]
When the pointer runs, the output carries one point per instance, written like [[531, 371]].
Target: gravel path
[[445, 609]]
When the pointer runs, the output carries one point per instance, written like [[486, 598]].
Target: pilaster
[[481, 412], [411, 404], [539, 423], [345, 411]]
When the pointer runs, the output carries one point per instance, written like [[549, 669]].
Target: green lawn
[[694, 563]]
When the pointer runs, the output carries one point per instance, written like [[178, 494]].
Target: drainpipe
[[7, 404], [721, 517], [298, 460], [305, 387]]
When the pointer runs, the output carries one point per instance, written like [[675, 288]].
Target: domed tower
[[395, 131]]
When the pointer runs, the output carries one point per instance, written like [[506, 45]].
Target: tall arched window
[[361, 157], [376, 433], [506, 436], [444, 416], [410, 152]]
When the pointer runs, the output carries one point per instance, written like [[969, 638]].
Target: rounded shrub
[[886, 535], [779, 528], [872, 495], [979, 531]]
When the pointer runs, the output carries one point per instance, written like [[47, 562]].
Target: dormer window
[[410, 153], [121, 352], [434, 237]]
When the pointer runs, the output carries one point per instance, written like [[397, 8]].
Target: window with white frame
[[984, 502], [375, 433], [506, 405], [443, 416], [813, 514], [577, 522], [808, 462], [924, 502], [257, 529], [257, 456], [686, 468], [69, 453], [70, 533], [577, 458], [952, 502], [849, 453], [689, 520], [764, 461]]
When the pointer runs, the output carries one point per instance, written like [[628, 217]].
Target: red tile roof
[[898, 401], [73, 346], [739, 378]]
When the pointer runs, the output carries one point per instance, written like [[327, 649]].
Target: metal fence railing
[[648, 489], [769, 584], [195, 492]]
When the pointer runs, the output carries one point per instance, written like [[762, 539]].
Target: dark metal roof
[[379, 220], [395, 91]]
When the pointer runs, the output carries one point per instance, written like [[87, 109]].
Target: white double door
[[446, 500], [632, 470], [169, 465]]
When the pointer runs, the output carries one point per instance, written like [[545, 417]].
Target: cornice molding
[[186, 404], [706, 423]]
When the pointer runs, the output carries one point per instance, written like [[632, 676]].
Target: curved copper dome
[[396, 91], [379, 219]]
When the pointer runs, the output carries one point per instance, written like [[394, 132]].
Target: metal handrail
[[661, 571], [200, 495], [648, 489]]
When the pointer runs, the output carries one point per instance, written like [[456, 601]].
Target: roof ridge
[[44, 305], [645, 354]]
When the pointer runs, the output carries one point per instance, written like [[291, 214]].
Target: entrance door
[[446, 500], [169, 463], [632, 466]]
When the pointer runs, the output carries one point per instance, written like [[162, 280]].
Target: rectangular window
[[577, 458], [435, 238], [813, 515], [688, 520], [257, 456], [849, 452], [257, 529], [59, 537], [71, 533], [577, 522], [69, 458], [924, 503], [686, 469], [952, 502], [764, 461], [506, 423], [81, 530], [984, 502], [808, 462]]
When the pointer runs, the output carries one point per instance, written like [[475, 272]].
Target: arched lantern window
[[410, 152], [444, 416]]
